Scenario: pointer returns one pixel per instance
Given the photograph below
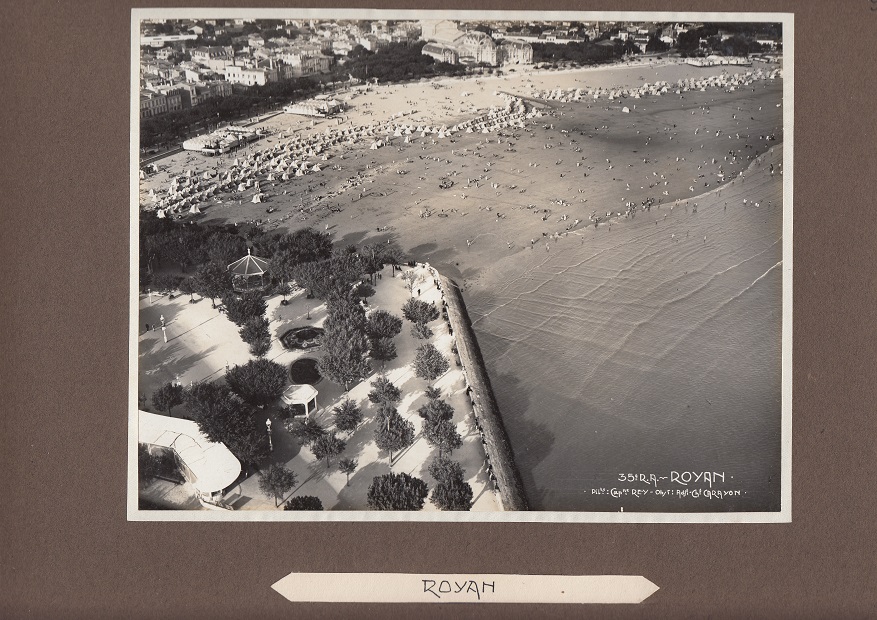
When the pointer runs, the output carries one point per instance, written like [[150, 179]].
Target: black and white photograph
[[460, 266]]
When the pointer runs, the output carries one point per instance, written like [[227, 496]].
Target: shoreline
[[478, 388]]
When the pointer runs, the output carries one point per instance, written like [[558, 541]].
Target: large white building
[[215, 57], [447, 43], [441, 52], [514, 52], [250, 76]]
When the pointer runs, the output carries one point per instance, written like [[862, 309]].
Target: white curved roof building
[[208, 466]]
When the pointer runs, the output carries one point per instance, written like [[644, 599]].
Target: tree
[[347, 466], [411, 279], [258, 382], [443, 468], [382, 350], [260, 347], [183, 247], [344, 311], [307, 431], [421, 331], [276, 482], [432, 393], [451, 491], [241, 309], [188, 287], [303, 502], [224, 248], [452, 494], [166, 282], [364, 289], [429, 363], [212, 280], [283, 289], [348, 415], [345, 347], [418, 311], [656, 45], [396, 492], [255, 329], [315, 277], [224, 418], [382, 324], [442, 434], [393, 432], [168, 396], [282, 266], [436, 409], [306, 245], [372, 258], [249, 442], [394, 256], [383, 391], [328, 445]]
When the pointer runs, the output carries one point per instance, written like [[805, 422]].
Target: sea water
[[645, 351]]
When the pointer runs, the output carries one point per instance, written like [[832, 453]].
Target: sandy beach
[[570, 237]]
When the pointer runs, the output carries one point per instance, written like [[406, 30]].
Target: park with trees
[[363, 348]]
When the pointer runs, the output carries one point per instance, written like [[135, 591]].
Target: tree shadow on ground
[[352, 238], [351, 496], [421, 250], [160, 365]]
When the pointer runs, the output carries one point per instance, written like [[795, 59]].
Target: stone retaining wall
[[487, 417]]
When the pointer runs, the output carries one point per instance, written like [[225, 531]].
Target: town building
[[215, 57], [249, 76], [513, 52], [152, 104], [441, 52], [477, 47]]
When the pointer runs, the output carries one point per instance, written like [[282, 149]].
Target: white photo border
[[784, 515]]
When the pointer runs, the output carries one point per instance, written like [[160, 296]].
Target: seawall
[[487, 417]]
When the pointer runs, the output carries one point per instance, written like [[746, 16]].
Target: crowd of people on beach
[[257, 173]]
